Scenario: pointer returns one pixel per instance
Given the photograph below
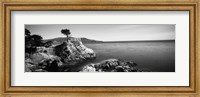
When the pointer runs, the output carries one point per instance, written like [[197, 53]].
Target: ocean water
[[156, 56]]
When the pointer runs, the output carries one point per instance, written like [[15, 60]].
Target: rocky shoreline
[[71, 54], [112, 65]]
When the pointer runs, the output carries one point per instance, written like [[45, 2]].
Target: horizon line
[[116, 40]]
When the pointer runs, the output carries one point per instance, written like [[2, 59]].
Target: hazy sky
[[107, 32]]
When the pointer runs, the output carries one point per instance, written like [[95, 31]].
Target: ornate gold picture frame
[[100, 5]]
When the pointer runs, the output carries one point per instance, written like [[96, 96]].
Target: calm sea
[[156, 56]]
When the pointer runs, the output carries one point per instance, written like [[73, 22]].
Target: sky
[[107, 32]]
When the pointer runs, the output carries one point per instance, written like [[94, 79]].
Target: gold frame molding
[[96, 5]]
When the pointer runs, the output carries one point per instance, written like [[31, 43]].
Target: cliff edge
[[58, 57]]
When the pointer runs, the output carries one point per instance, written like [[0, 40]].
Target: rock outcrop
[[58, 57], [112, 65], [67, 56], [74, 50]]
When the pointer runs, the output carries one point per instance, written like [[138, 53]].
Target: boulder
[[49, 50], [89, 68], [112, 65], [37, 58]]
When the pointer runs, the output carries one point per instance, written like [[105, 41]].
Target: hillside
[[63, 39]]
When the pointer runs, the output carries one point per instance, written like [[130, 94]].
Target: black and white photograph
[[99, 47]]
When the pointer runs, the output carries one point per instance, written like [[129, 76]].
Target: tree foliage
[[66, 32], [27, 32], [32, 41], [48, 43]]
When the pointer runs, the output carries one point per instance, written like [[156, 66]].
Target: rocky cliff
[[58, 57], [112, 65], [72, 56]]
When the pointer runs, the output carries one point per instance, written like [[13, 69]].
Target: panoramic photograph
[[99, 47]]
